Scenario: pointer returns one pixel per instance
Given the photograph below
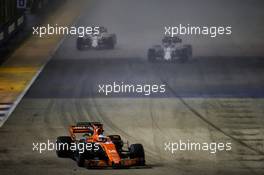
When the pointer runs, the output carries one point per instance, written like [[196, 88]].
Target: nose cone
[[112, 153]]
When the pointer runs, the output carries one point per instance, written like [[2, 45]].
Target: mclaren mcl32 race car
[[171, 49], [89, 147], [100, 40]]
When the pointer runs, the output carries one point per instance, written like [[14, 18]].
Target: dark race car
[[170, 50], [101, 40]]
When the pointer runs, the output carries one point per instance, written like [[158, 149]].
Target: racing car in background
[[100, 40], [170, 50], [104, 151]]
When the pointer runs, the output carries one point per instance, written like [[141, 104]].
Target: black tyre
[[79, 43], [64, 143], [80, 159], [151, 55], [111, 44], [137, 151], [114, 38], [187, 53]]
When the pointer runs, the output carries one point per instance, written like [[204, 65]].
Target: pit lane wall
[[13, 19], [11, 28], [19, 71]]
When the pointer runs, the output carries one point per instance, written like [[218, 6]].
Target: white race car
[[103, 40], [170, 50]]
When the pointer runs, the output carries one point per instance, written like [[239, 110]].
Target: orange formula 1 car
[[89, 147]]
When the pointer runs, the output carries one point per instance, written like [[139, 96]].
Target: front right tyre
[[137, 152]]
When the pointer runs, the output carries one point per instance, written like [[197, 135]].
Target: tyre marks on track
[[242, 124], [239, 122], [243, 121], [102, 117], [228, 134]]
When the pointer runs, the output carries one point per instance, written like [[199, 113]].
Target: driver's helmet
[[166, 41], [102, 138], [100, 131]]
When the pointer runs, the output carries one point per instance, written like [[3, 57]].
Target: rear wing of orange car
[[91, 124], [80, 129], [84, 127]]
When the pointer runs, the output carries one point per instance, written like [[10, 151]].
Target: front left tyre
[[79, 43], [63, 146], [80, 159]]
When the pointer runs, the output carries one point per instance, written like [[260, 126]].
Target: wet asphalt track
[[217, 96]]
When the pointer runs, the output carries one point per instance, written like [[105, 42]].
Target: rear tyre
[[112, 42], [137, 151], [64, 143], [116, 139], [187, 53]]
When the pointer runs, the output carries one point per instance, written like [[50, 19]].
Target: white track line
[[3, 110], [16, 102], [2, 106], [10, 111]]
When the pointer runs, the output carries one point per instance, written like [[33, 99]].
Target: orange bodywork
[[96, 129], [111, 153]]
